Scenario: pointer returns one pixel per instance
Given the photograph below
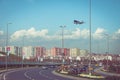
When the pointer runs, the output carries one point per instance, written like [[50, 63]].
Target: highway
[[31, 74]]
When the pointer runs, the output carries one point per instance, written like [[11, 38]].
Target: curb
[[70, 77]]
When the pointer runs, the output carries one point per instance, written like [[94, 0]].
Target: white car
[[44, 67]]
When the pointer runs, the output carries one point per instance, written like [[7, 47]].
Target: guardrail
[[19, 64]]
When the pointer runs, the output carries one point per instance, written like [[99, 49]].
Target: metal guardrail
[[30, 63]]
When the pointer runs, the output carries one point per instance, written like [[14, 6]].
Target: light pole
[[90, 37], [23, 53], [107, 41], [63, 42], [7, 47]]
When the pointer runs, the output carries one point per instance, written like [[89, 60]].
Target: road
[[32, 74], [36, 73], [98, 70]]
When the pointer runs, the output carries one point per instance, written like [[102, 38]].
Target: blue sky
[[39, 20]]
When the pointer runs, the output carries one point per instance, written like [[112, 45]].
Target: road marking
[[25, 74], [2, 77], [6, 73]]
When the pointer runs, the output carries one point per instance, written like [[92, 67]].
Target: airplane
[[78, 22]]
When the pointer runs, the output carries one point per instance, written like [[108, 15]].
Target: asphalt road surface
[[98, 70], [32, 74]]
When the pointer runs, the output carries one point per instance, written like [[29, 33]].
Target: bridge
[[3, 53], [17, 61]]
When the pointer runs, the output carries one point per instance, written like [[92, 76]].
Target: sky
[[37, 23]]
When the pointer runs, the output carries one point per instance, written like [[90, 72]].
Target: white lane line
[[1, 76], [5, 74], [26, 75], [4, 77]]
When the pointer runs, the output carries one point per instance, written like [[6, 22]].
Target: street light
[[78, 22], [90, 36], [107, 41], [7, 46], [63, 41], [23, 52]]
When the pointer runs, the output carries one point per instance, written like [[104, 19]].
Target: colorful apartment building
[[12, 50], [56, 52], [59, 52], [40, 51], [66, 52], [74, 52]]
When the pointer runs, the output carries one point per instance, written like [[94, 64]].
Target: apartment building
[[12, 50], [74, 52], [28, 52], [83, 53], [40, 51], [66, 52], [48, 53], [56, 52]]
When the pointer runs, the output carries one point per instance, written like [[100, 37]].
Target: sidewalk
[[105, 73]]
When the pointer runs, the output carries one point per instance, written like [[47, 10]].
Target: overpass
[[17, 61], [3, 53]]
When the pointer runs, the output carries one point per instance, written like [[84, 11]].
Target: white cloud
[[116, 35], [44, 34], [73, 34], [98, 34], [68, 34], [76, 34], [18, 34], [29, 33], [1, 32], [33, 33], [85, 33]]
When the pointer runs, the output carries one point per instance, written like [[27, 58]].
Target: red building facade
[[57, 52], [40, 51]]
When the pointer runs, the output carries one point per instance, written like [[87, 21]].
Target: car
[[44, 67]]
